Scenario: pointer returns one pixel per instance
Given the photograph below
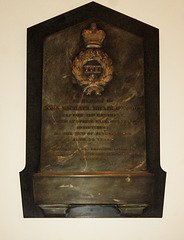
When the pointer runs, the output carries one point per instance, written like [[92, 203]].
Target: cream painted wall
[[15, 17]]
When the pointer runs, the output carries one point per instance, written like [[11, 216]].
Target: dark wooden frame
[[35, 37]]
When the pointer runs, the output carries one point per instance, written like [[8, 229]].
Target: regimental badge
[[93, 68]]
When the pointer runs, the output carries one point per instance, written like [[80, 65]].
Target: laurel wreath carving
[[105, 62]]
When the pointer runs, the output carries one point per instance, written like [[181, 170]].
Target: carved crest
[[93, 68]]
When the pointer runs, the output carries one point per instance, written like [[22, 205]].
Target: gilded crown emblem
[[93, 68], [93, 37]]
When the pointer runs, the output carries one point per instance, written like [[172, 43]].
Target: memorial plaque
[[94, 144], [97, 127]]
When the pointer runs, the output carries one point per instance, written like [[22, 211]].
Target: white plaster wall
[[15, 17]]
